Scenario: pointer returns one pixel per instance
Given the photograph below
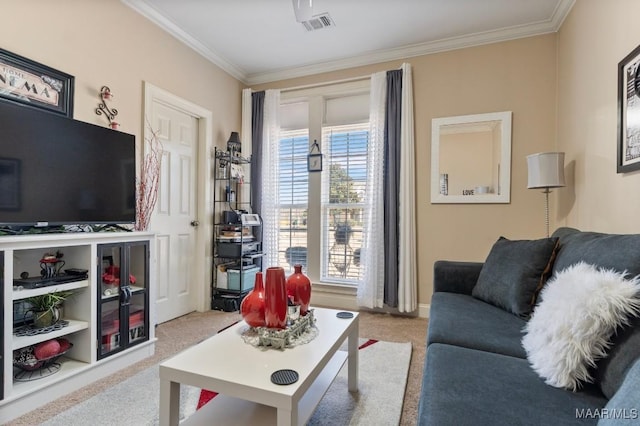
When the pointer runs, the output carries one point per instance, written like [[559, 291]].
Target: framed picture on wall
[[29, 83], [629, 112]]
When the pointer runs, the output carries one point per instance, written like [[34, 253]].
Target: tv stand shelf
[[83, 363]]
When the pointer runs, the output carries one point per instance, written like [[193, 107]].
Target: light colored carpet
[[181, 333], [383, 369]]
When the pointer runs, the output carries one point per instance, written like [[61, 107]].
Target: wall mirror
[[471, 158]]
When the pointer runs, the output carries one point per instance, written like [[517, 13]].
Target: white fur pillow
[[580, 309]]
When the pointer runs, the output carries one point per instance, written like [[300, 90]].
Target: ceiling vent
[[319, 22]]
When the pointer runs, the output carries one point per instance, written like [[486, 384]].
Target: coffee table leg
[[352, 362], [286, 417], [169, 403]]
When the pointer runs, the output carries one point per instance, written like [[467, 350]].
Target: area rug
[[382, 377]]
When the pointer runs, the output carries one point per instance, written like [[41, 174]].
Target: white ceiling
[[258, 41]]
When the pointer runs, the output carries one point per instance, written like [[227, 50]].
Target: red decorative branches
[[147, 184]]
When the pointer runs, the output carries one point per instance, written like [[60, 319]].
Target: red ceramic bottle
[[299, 288], [252, 306], [275, 298]]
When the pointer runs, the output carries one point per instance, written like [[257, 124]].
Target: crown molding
[[550, 25], [152, 14]]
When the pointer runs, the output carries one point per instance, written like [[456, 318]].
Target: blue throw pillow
[[514, 273]]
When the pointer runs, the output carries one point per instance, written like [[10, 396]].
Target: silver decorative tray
[[299, 331]]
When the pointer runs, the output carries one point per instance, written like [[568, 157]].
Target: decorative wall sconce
[[110, 113]]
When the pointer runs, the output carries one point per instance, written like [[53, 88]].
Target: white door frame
[[202, 254]]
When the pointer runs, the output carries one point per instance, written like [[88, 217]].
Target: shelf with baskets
[[237, 235]]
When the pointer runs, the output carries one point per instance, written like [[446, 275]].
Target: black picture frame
[[10, 184], [314, 162], [29, 83], [628, 153]]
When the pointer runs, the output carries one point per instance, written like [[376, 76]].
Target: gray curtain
[[391, 184], [257, 119]]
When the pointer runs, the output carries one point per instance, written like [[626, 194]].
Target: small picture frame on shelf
[[250, 219], [314, 162]]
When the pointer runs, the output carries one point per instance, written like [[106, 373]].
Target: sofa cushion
[[579, 311], [461, 320], [455, 277], [514, 273], [624, 407], [625, 350], [609, 251], [464, 386]]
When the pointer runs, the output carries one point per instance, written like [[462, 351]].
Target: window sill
[[337, 296], [328, 287]]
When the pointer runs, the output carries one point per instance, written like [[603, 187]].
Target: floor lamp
[[546, 170]]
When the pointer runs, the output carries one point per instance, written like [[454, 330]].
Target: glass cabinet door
[[138, 255], [111, 298], [123, 307]]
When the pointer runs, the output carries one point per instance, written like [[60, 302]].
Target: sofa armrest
[[455, 277]]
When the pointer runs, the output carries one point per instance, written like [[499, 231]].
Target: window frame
[[316, 98], [327, 205]]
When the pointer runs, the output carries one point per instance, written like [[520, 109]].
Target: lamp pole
[[546, 193]]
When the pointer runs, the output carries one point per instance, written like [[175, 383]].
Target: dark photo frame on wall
[[629, 112], [29, 83]]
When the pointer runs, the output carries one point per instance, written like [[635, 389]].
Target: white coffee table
[[241, 374]]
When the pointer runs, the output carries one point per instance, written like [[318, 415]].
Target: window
[[343, 189], [321, 214], [293, 188]]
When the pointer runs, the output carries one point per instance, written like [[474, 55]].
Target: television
[[58, 171]]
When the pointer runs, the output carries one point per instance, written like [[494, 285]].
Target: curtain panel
[[392, 150], [270, 173], [389, 278], [370, 292], [257, 120]]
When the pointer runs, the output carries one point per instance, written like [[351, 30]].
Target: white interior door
[[176, 211]]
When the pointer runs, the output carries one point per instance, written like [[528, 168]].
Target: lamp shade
[[234, 144], [546, 170]]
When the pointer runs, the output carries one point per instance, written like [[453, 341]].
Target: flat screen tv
[[59, 171]]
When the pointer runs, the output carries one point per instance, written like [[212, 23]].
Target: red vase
[[275, 298], [299, 288], [252, 306]]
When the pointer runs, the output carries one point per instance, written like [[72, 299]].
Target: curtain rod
[[326, 83]]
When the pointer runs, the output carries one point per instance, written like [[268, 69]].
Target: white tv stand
[[80, 366]]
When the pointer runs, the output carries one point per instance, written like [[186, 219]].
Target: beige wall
[[518, 76], [104, 42], [593, 39]]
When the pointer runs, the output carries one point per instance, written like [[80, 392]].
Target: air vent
[[319, 22]]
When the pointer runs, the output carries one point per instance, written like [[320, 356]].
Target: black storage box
[[237, 249]]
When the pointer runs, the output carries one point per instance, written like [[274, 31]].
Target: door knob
[[195, 223]]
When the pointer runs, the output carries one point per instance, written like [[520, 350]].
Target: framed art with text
[[629, 112], [29, 83]]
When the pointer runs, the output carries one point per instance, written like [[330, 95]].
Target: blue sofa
[[476, 371]]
